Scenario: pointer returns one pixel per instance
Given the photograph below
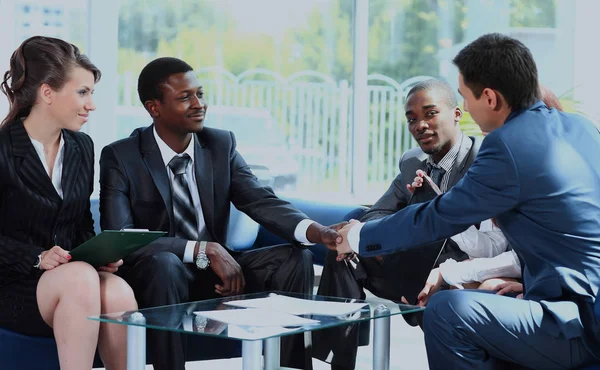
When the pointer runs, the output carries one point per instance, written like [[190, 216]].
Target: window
[[280, 83], [289, 71]]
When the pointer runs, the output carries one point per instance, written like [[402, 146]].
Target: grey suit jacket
[[135, 191], [397, 196]]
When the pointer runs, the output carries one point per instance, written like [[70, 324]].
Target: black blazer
[[135, 191], [32, 215]]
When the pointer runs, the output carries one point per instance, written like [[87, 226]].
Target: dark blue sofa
[[32, 353]]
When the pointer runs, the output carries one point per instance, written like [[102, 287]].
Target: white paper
[[253, 333], [256, 317], [298, 306]]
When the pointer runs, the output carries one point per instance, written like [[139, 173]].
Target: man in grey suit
[[445, 153], [180, 177]]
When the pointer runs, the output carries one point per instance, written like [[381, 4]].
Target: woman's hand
[[111, 267], [54, 257], [433, 284], [510, 287]]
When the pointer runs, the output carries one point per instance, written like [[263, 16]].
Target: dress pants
[[338, 345], [466, 329], [163, 279], [394, 276]]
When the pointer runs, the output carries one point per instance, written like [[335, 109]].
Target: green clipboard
[[112, 245]]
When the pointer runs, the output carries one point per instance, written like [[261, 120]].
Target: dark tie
[[183, 207], [437, 174]]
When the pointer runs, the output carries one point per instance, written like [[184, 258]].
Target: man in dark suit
[[433, 117], [537, 173], [180, 177]]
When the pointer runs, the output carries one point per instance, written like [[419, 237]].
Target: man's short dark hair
[[438, 85], [155, 74], [503, 64]]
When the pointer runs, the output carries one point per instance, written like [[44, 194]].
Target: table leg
[[381, 339], [251, 355], [136, 343], [272, 353]]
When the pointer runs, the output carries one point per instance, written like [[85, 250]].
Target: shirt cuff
[[354, 236], [300, 232], [188, 254], [453, 272]]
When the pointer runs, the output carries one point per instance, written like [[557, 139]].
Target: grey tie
[[437, 174], [183, 207]]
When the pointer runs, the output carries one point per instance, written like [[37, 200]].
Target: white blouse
[[56, 176]]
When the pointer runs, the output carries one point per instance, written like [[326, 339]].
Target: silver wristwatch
[[202, 261], [38, 263]]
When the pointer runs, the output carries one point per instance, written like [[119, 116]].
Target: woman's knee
[[115, 294], [74, 282], [74, 279]]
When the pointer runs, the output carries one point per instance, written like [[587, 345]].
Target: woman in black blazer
[[46, 179]]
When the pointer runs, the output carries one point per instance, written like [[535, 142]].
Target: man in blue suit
[[538, 173]]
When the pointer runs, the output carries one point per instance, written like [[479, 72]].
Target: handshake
[[334, 237]]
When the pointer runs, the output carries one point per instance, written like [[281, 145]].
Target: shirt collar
[[513, 114], [167, 153], [39, 147], [447, 162]]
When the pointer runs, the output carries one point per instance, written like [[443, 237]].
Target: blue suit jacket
[[539, 175]]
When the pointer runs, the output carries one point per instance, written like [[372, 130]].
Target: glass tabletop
[[272, 314]]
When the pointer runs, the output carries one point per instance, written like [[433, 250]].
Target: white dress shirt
[[487, 241], [190, 173], [487, 246], [56, 176], [447, 163], [506, 265]]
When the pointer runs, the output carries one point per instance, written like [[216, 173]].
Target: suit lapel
[[204, 179], [156, 166], [31, 170], [464, 155], [71, 164]]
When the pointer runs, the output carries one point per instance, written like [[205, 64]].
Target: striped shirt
[[447, 163]]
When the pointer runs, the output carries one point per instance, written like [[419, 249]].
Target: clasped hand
[[227, 269], [341, 244]]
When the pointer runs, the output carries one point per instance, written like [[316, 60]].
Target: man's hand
[[227, 269], [343, 249], [433, 284], [54, 257], [329, 236], [347, 257], [510, 287], [111, 267], [417, 182]]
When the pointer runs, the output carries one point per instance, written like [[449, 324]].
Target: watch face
[[202, 262]]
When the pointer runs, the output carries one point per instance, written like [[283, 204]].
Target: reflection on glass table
[[227, 318]]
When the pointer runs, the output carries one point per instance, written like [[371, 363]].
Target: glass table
[[182, 318]]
